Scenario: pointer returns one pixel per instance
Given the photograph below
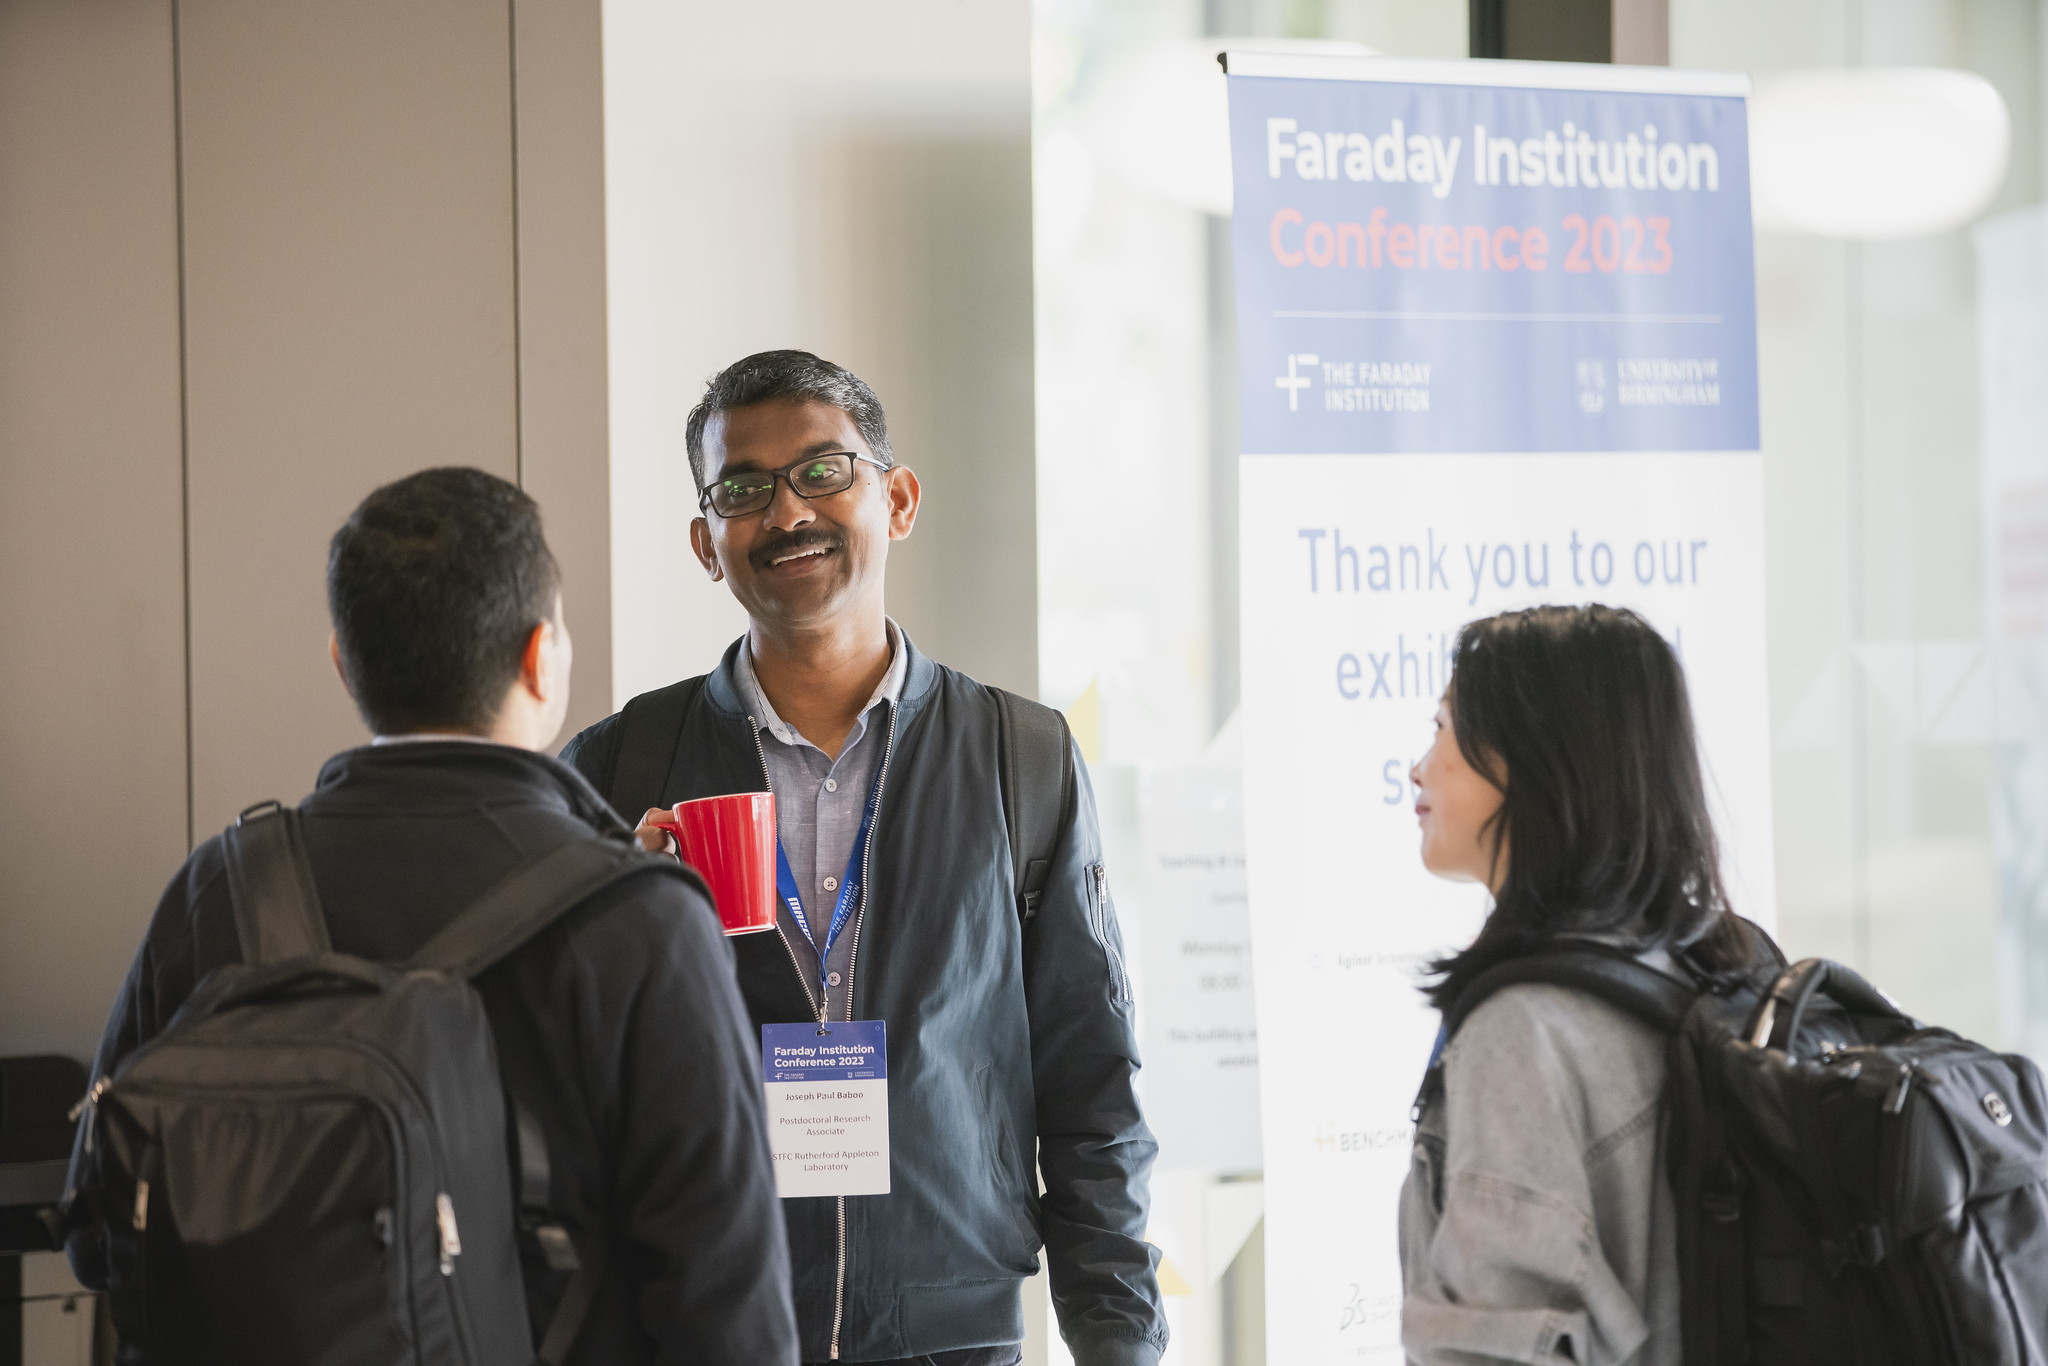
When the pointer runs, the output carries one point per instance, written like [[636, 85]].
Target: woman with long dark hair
[[1537, 1223]]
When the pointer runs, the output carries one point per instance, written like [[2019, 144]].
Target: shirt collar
[[889, 690], [421, 737], [441, 771]]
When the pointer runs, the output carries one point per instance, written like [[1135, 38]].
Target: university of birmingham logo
[[1592, 386]]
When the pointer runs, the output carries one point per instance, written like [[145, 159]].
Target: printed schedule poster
[[1497, 345]]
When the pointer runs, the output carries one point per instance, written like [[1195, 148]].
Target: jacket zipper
[[817, 1010], [867, 875], [1120, 981], [867, 871]]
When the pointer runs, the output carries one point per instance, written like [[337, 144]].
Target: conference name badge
[[828, 1107]]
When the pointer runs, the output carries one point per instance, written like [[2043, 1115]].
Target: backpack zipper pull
[[89, 1106], [141, 1219], [89, 1101], [451, 1239], [1897, 1103]]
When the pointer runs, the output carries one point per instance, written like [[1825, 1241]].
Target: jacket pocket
[[1019, 1194], [1102, 924]]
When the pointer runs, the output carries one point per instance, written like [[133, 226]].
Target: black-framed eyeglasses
[[815, 476]]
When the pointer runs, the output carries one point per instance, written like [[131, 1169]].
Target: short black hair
[[435, 583], [786, 377], [1580, 716]]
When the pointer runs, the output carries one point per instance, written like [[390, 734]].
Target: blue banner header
[[1438, 268]]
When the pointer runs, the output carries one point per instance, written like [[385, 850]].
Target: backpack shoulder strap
[[529, 899], [577, 1298], [650, 729], [270, 883], [516, 908], [1035, 769], [543, 1233], [1616, 977]]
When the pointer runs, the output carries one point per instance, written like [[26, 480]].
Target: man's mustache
[[790, 541]]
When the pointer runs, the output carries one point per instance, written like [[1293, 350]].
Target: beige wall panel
[[565, 455], [92, 737], [348, 191]]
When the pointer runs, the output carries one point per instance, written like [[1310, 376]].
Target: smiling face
[[1454, 803], [800, 562]]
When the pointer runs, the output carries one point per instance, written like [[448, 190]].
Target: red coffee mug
[[731, 841]]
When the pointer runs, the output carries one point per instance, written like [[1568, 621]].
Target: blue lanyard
[[849, 885]]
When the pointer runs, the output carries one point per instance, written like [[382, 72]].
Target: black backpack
[[1035, 771], [1852, 1186], [313, 1163]]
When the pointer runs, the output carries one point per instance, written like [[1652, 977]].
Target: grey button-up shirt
[[818, 806]]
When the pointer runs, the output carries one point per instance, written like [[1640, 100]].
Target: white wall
[[1874, 535], [852, 180]]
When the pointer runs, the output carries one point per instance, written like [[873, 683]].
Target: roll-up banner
[[1497, 342]]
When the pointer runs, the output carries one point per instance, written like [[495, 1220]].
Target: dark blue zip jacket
[[1001, 1038]]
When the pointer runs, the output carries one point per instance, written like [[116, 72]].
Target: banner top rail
[[1485, 71]]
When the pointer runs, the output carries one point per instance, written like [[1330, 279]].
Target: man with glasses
[[917, 892]]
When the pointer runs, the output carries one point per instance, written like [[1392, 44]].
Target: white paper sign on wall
[[1200, 1040]]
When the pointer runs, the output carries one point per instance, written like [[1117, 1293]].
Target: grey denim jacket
[[1537, 1223]]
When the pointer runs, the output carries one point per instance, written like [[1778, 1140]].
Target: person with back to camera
[[617, 1028], [1537, 1223]]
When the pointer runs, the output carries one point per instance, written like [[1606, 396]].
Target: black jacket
[[618, 1026], [1000, 1039]]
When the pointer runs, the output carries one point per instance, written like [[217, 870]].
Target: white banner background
[[1343, 914]]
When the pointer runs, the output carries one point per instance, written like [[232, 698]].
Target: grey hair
[[786, 377]]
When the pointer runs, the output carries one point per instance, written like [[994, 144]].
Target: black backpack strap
[[1035, 770], [529, 899], [519, 906], [1614, 975], [577, 1298], [644, 751], [537, 1223], [270, 883]]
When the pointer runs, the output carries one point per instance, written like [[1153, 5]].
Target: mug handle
[[675, 833]]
